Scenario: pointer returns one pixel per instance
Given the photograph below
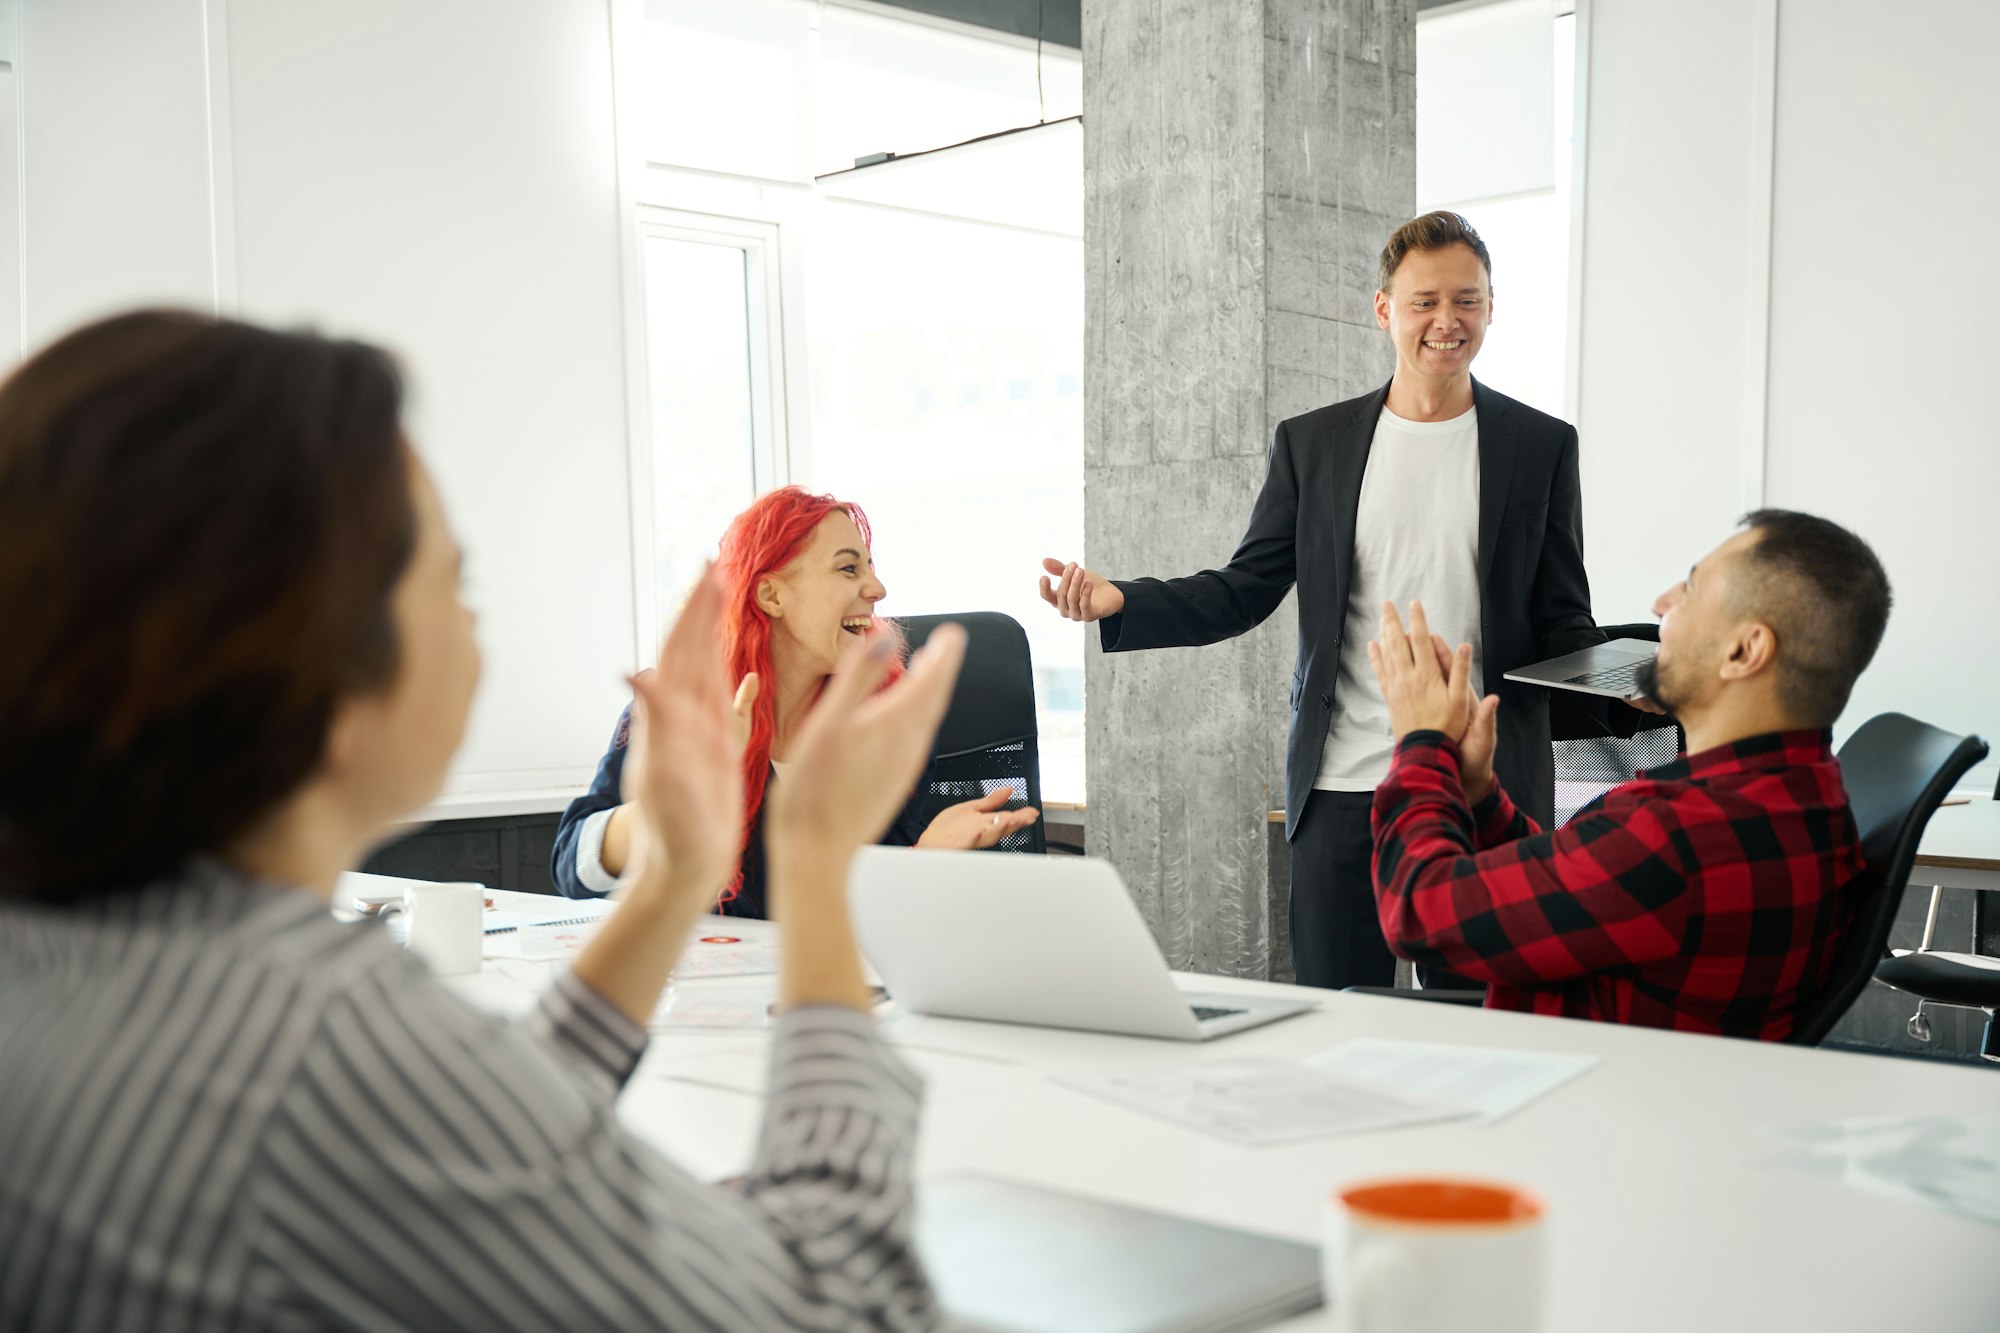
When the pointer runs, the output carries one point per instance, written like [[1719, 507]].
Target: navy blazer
[[1534, 596], [604, 794]]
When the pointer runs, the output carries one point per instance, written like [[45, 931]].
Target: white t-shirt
[[1416, 537]]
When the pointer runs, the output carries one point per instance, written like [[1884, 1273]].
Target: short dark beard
[[1647, 678]]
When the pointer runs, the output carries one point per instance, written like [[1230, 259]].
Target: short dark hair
[[1432, 231], [204, 522], [1825, 596]]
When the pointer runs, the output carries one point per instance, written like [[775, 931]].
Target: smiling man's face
[[1436, 310]]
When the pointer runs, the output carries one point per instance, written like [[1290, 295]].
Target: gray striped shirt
[[220, 1108]]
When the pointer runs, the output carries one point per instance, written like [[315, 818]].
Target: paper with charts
[[715, 1005], [1488, 1083], [724, 948], [1258, 1100], [719, 946]]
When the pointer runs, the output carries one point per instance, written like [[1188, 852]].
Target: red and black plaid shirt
[[1705, 895]]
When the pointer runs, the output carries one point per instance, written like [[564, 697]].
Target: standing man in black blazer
[[1432, 487]]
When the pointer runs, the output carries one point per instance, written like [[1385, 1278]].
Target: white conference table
[[1662, 1215]]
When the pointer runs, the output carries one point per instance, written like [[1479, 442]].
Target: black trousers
[[1336, 936]]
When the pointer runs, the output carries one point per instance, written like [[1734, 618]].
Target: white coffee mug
[[1433, 1255], [447, 925]]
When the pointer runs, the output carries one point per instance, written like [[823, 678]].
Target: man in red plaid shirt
[[1705, 895]]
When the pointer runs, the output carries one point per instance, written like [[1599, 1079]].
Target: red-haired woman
[[799, 584]]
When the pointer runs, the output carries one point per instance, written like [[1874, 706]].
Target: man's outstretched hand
[[1079, 594]]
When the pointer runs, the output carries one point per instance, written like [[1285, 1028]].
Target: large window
[[932, 310], [1508, 173], [947, 396], [716, 409], [723, 85]]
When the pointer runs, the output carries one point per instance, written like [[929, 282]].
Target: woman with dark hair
[[235, 654], [798, 584]]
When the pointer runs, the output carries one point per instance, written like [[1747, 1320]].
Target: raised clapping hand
[[1079, 594], [1428, 687], [683, 770], [854, 761], [862, 747], [628, 847], [684, 781], [851, 767]]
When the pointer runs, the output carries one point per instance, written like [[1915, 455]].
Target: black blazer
[[1534, 596]]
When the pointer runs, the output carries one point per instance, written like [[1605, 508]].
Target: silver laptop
[[1610, 669], [1050, 940]]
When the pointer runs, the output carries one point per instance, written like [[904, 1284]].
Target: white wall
[[1886, 219], [440, 178], [114, 137], [1669, 394], [1786, 218]]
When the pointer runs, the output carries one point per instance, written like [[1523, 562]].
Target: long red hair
[[762, 541]]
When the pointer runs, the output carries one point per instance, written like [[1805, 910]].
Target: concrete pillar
[[1244, 161]]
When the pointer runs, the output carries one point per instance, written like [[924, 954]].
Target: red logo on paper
[[721, 939]]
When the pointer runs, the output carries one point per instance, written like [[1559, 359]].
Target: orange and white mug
[[1434, 1255]]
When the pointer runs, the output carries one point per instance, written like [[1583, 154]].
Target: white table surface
[[1662, 1215]]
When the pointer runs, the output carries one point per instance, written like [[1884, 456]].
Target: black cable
[[1041, 9]]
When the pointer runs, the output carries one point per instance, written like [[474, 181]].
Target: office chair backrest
[[1588, 763], [988, 737], [1897, 770]]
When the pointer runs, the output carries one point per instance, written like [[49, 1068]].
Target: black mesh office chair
[[1952, 980], [988, 739], [1897, 770]]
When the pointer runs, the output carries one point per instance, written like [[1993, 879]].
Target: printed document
[[1255, 1100], [1486, 1082]]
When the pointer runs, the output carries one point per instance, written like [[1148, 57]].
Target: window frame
[[771, 464]]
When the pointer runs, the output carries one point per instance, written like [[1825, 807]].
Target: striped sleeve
[[596, 1036], [832, 1171], [432, 1167]]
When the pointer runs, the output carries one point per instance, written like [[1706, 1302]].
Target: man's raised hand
[[1428, 687], [1423, 692], [1079, 594]]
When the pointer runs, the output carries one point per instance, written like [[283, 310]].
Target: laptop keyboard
[[1620, 680], [1203, 1012]]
